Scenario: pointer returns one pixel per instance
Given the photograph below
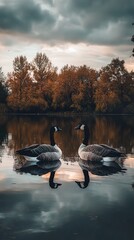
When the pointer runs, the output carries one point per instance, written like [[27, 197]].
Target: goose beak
[[81, 184], [59, 129], [77, 127]]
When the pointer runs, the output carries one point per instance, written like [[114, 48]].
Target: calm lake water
[[33, 206]]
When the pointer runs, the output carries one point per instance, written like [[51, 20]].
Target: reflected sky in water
[[30, 208]]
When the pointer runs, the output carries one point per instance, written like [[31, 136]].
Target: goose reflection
[[2, 149], [85, 183], [38, 168], [98, 168]]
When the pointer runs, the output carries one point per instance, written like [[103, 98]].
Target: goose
[[85, 183], [43, 151], [99, 169], [102, 168], [96, 152], [41, 168]]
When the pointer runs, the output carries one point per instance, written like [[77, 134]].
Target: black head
[[56, 129], [84, 127], [54, 185], [81, 126]]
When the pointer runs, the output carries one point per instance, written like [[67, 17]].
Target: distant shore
[[65, 114]]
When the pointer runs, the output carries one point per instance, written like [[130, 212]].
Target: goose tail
[[123, 155], [24, 150]]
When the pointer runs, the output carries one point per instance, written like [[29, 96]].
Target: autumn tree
[[83, 97], [44, 76], [105, 98], [114, 88], [36, 86], [3, 92], [19, 84], [75, 88], [130, 106], [3, 88], [64, 88], [132, 39], [123, 83]]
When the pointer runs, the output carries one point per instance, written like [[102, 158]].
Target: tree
[[44, 75], [83, 97], [105, 98], [74, 89], [132, 39], [19, 84], [3, 88], [114, 88], [64, 88]]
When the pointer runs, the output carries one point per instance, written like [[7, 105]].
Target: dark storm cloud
[[23, 15], [95, 21], [102, 21]]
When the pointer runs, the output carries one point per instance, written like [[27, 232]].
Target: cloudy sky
[[76, 32]]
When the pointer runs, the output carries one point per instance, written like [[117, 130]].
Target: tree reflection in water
[[116, 131]]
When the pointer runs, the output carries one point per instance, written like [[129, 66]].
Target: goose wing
[[43, 148], [50, 165], [21, 151], [89, 155], [109, 147], [101, 150], [49, 156], [112, 151], [33, 170]]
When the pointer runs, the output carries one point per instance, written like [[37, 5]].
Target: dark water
[[49, 202]]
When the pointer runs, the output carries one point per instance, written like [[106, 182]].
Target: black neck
[[52, 184], [52, 141], [86, 135], [85, 183], [51, 177], [86, 178]]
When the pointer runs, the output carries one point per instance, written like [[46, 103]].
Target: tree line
[[38, 87]]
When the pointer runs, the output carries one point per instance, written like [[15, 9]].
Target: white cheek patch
[[55, 129], [82, 127]]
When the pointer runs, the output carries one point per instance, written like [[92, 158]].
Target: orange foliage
[[36, 87]]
